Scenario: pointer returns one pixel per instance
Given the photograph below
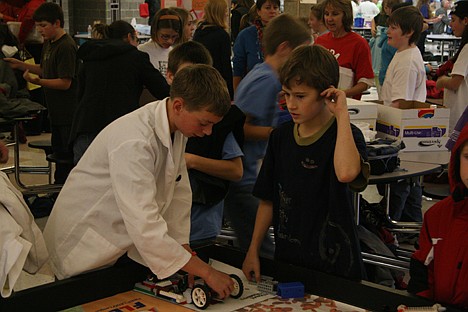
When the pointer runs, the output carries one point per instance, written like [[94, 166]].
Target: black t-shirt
[[312, 211], [59, 61]]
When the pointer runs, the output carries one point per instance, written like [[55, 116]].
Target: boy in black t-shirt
[[310, 165]]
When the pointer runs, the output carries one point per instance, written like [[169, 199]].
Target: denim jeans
[[81, 144], [406, 200]]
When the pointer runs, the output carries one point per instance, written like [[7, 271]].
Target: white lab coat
[[129, 193], [22, 245]]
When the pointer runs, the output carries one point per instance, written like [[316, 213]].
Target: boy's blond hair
[[313, 65], [201, 87], [284, 28]]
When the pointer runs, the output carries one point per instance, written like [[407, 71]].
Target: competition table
[[121, 278]]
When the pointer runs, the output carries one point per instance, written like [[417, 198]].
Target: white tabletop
[[434, 157], [88, 36], [442, 37], [406, 170]]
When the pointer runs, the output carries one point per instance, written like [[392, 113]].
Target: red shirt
[[351, 51]]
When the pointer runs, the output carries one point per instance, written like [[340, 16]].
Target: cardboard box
[[360, 111], [420, 127]]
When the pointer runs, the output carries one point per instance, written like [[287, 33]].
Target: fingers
[[227, 288]]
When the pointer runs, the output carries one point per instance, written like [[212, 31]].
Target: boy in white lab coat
[[130, 193]]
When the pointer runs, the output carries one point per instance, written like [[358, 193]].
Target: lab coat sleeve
[[134, 168], [180, 208]]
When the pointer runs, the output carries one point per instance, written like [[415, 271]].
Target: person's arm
[[451, 83], [263, 222], [20, 65], [356, 89], [158, 235], [373, 28], [433, 20], [346, 159], [227, 169], [255, 133], [57, 83], [239, 60], [362, 68], [7, 18], [235, 82], [218, 281], [3, 153]]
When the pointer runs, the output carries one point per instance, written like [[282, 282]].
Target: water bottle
[[90, 29]]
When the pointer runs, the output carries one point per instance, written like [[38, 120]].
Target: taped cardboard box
[[420, 126], [360, 111]]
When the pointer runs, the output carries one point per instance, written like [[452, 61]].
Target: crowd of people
[[152, 182]]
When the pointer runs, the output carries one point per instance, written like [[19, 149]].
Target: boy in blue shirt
[[309, 169], [212, 161], [257, 97]]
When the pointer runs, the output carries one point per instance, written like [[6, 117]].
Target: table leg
[[29, 189], [442, 51], [398, 226]]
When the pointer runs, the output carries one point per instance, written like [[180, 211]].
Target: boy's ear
[[409, 34], [283, 49], [178, 104], [169, 77]]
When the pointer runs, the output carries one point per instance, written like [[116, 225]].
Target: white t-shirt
[[405, 78], [355, 8], [158, 55], [458, 100]]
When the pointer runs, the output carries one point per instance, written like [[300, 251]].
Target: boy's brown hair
[[409, 19], [201, 87], [284, 28], [313, 65], [346, 7], [188, 52], [49, 12]]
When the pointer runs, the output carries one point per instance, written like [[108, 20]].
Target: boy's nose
[[207, 130]]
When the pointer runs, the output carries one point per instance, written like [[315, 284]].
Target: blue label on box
[[389, 129], [413, 132], [426, 132]]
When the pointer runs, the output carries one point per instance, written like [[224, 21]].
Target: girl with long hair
[[211, 32]]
